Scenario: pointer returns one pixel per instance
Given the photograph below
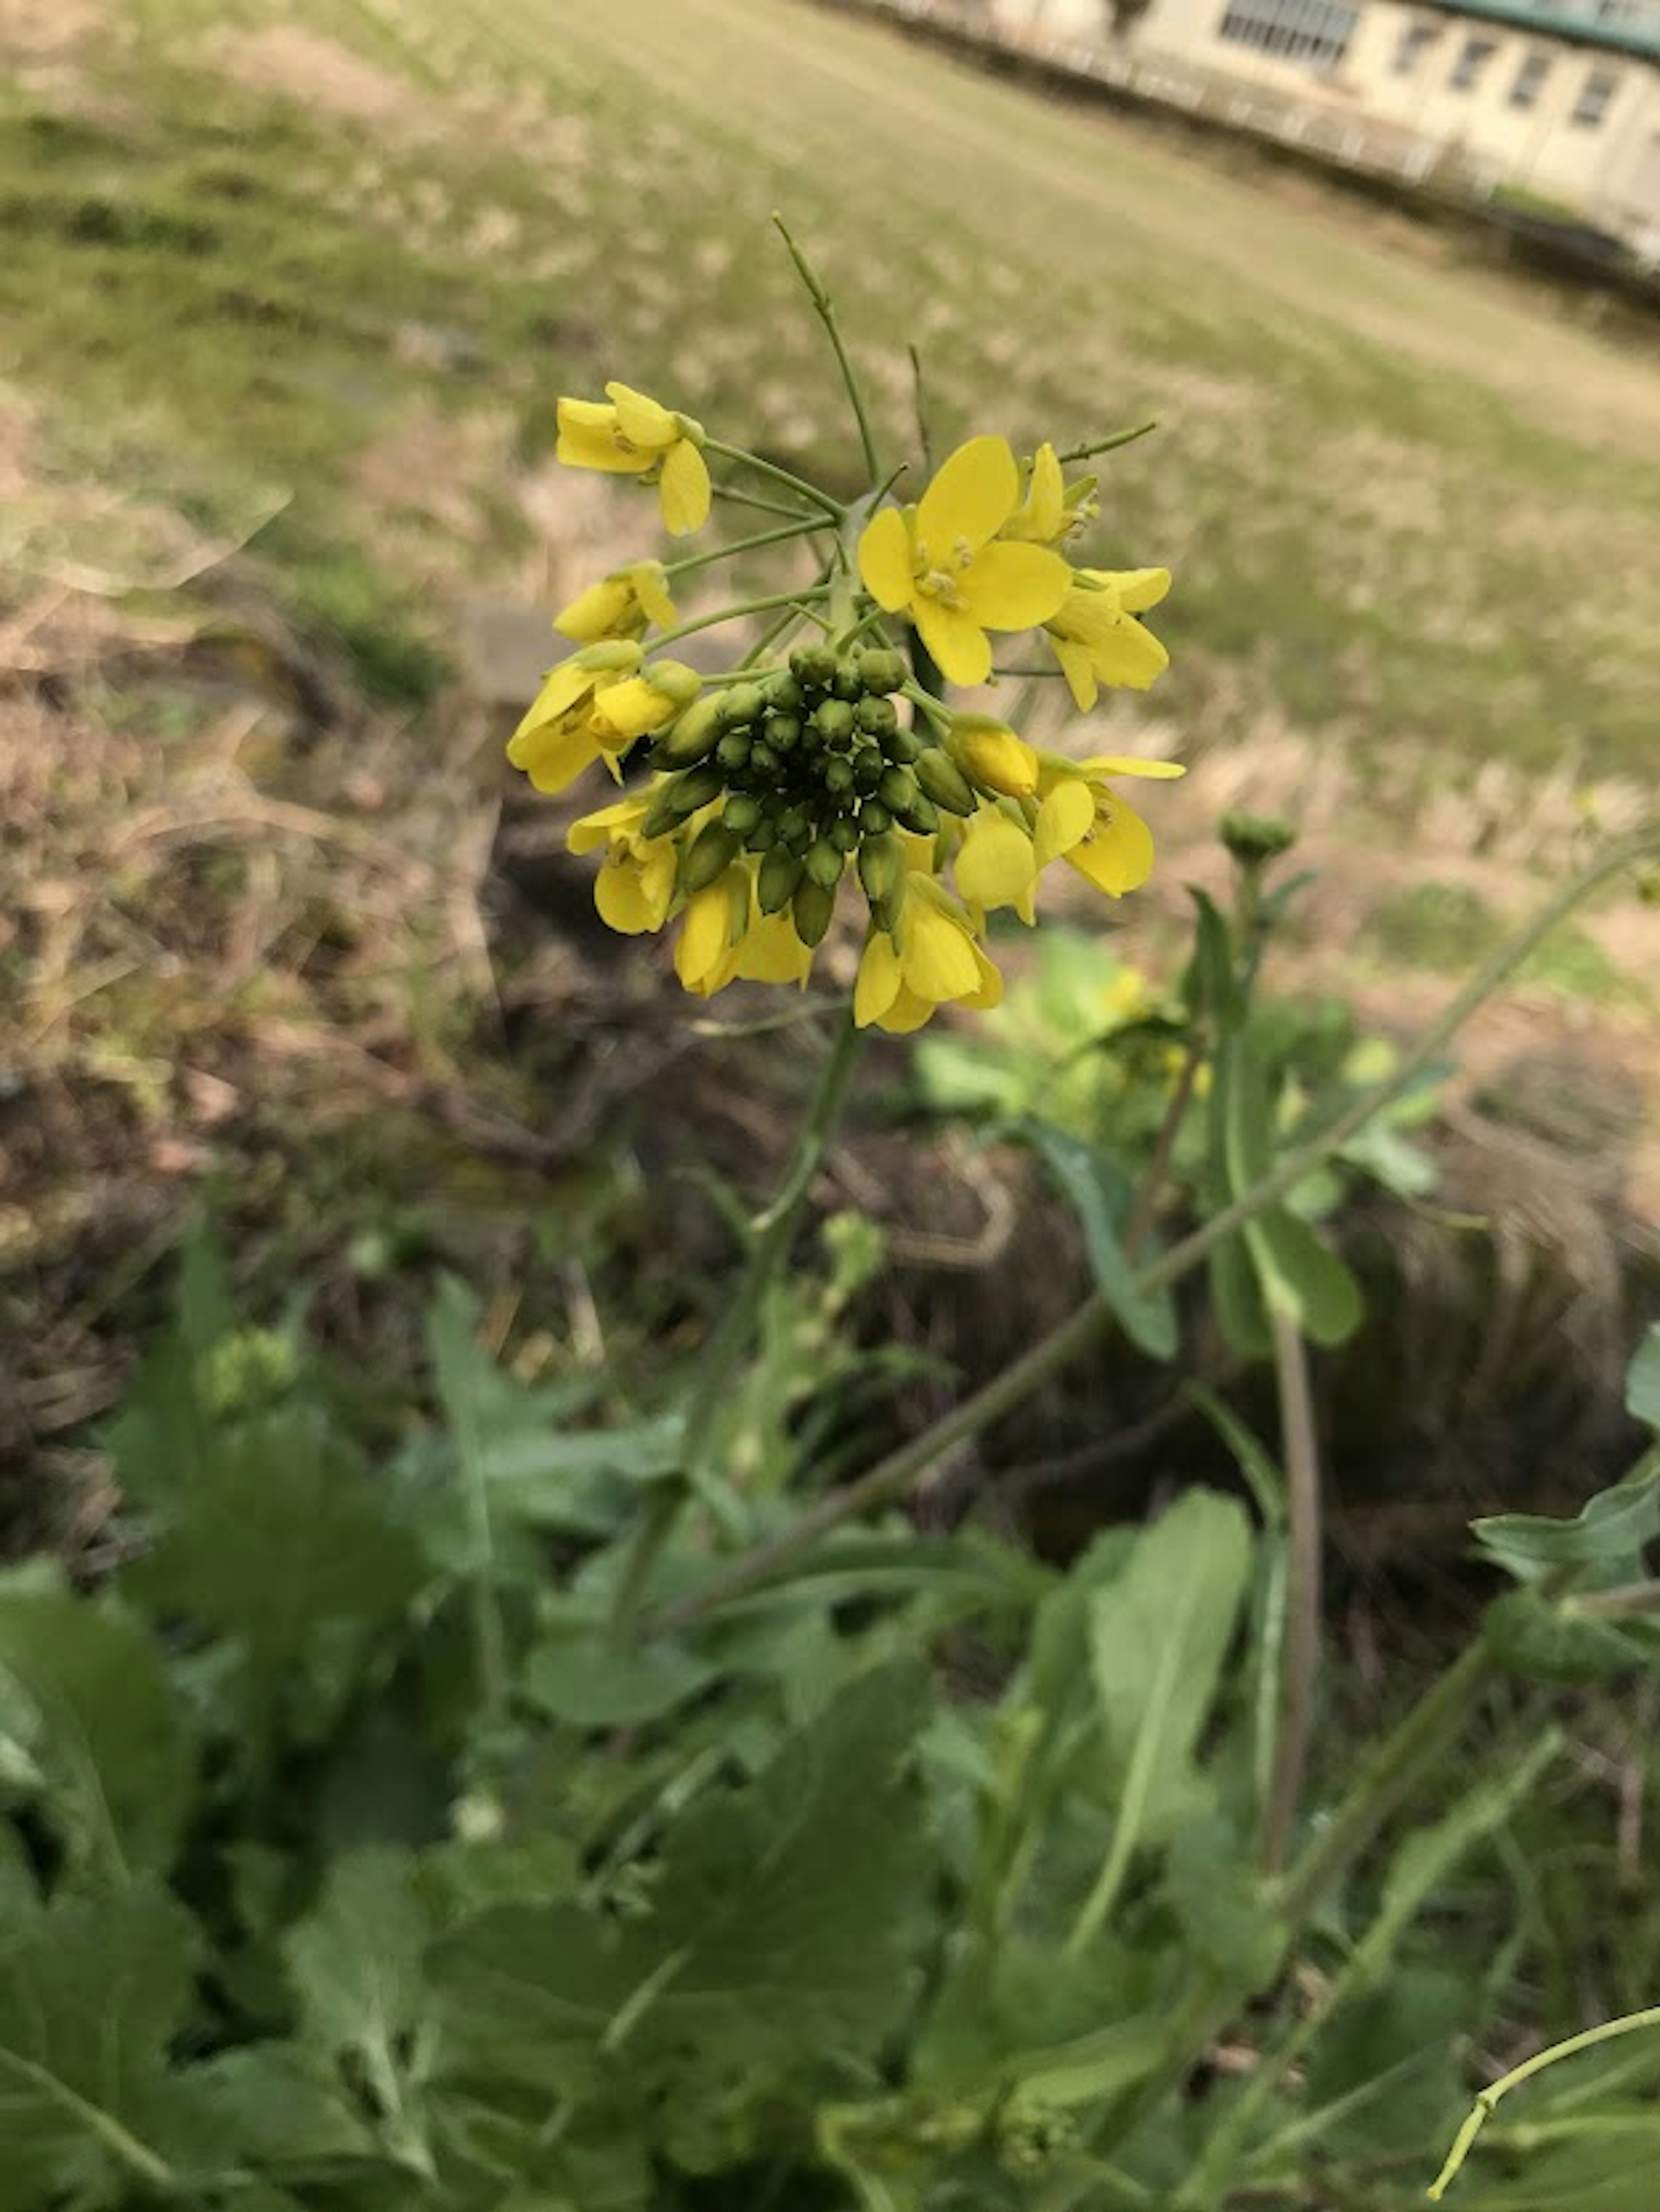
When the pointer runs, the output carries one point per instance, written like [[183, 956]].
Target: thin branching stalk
[[1300, 1450], [782, 477], [824, 309]]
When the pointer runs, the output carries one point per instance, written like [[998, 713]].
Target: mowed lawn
[[1414, 509]]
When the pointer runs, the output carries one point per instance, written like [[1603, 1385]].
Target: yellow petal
[[956, 640], [994, 867], [905, 1013], [1105, 765], [603, 610], [553, 757], [1014, 587], [608, 824], [703, 954], [880, 980], [989, 991], [588, 439], [643, 421], [1132, 656], [884, 560], [652, 589], [684, 490], [970, 498], [1117, 855], [937, 960], [1043, 516], [1079, 669], [1136, 589], [1066, 814], [769, 951], [991, 754], [629, 709], [632, 893]]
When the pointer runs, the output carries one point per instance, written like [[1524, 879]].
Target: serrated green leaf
[[782, 1930], [586, 1682], [83, 1692], [1643, 1383], [92, 1993], [357, 1968], [282, 1535], [1608, 1532], [1101, 1195], [276, 2105]]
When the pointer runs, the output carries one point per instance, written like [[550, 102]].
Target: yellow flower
[[725, 938], [635, 882], [595, 705], [942, 564], [1096, 636], [995, 865], [1089, 827], [621, 605], [990, 754], [1051, 510], [935, 962], [634, 436]]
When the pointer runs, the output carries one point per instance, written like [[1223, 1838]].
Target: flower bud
[[844, 834], [881, 669], [763, 759], [779, 874], [673, 681], [741, 704], [733, 750], [838, 776], [695, 788], [944, 782], [1255, 839], [876, 718], [810, 910], [904, 746], [689, 738], [741, 812], [783, 733], [834, 720], [874, 818], [881, 867], [868, 767], [814, 665], [991, 755], [712, 852], [824, 862], [785, 692]]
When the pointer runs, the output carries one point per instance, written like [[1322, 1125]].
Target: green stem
[[785, 530], [796, 599], [891, 1476], [1489, 2100], [824, 308], [732, 498], [822, 500], [137, 2157], [1108, 445], [1300, 1451], [773, 1231]]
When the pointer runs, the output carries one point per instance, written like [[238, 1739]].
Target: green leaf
[[1260, 1469], [282, 1535], [92, 1993], [1211, 986], [782, 1928], [1530, 1635], [1159, 1634], [84, 1695], [1303, 1279], [276, 2105], [1101, 1195], [1643, 1383], [584, 1681], [1224, 1911], [356, 1967], [1609, 1533]]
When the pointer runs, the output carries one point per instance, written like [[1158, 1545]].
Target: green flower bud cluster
[[811, 767]]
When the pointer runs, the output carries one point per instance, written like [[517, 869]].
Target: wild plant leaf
[[92, 1993], [1226, 1912], [587, 1682], [1545, 1641], [781, 1928], [1643, 1383], [1302, 1277], [1101, 1195], [277, 2105], [1159, 1634], [1607, 1533], [1382, 2071], [84, 1692], [282, 1536], [356, 1964]]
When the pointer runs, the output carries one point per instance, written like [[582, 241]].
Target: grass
[[1406, 505]]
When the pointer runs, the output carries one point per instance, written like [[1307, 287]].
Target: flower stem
[[786, 530], [1301, 1453], [1487, 2103], [825, 310], [794, 599], [773, 1232], [893, 1476], [734, 498], [799, 485]]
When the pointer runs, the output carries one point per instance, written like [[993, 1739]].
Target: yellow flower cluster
[[773, 785]]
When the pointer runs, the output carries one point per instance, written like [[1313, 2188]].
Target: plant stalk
[[1300, 1449]]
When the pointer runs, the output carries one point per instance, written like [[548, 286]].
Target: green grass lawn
[[1409, 506]]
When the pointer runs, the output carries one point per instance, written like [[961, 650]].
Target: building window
[[1414, 39], [1317, 31], [1470, 63], [1528, 79], [1594, 95]]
